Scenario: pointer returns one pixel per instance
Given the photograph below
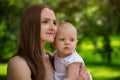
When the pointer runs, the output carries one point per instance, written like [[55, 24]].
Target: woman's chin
[[51, 40]]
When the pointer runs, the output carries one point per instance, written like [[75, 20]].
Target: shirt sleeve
[[74, 57]]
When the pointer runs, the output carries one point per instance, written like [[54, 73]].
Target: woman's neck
[[42, 43]]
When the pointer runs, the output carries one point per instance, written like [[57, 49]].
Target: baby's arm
[[73, 71]]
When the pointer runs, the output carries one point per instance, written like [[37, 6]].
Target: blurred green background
[[97, 22]]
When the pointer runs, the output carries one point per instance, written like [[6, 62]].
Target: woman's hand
[[83, 73]]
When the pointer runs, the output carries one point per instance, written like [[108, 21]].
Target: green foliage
[[92, 18], [49, 47], [10, 14]]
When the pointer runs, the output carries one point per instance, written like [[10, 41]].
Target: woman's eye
[[55, 23], [44, 21]]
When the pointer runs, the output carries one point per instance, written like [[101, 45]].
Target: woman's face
[[48, 25]]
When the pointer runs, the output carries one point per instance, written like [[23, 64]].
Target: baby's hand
[[49, 53]]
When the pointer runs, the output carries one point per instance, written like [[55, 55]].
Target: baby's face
[[66, 40]]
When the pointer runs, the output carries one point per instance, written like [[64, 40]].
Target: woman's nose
[[53, 27]]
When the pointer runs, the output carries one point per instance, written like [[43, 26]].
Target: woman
[[37, 27]]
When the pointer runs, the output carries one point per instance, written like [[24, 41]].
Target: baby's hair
[[64, 23]]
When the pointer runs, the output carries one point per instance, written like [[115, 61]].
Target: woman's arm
[[18, 69]]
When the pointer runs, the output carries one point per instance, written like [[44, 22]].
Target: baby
[[67, 62]]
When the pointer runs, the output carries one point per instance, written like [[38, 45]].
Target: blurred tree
[[10, 14], [8, 21], [116, 9], [92, 18]]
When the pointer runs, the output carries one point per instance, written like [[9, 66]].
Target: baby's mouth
[[66, 48]]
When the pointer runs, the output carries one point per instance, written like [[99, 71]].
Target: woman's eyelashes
[[45, 22], [55, 23], [48, 22]]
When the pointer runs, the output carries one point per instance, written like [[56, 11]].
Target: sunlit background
[[97, 23]]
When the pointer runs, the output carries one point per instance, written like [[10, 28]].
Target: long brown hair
[[29, 40]]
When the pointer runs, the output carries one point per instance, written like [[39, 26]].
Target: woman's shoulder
[[17, 61], [18, 69]]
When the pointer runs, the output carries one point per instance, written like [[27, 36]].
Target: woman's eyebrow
[[45, 18], [48, 19]]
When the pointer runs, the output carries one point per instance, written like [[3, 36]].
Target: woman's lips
[[51, 34]]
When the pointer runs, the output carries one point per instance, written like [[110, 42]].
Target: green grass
[[103, 72], [98, 71], [101, 69], [3, 71], [3, 68]]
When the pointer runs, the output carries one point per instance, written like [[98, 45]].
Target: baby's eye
[[62, 39], [71, 39], [54, 23]]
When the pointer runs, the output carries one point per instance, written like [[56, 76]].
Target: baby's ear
[[76, 41]]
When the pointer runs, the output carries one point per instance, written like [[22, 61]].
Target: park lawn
[[3, 68], [103, 72], [99, 72]]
